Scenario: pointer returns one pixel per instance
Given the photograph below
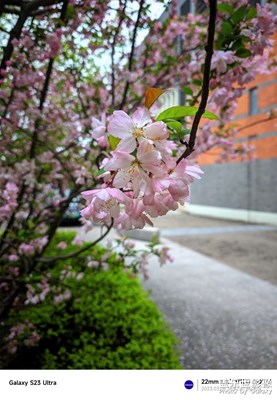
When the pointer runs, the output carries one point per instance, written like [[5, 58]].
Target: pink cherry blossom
[[62, 245], [13, 257], [158, 204], [221, 59], [26, 249], [132, 130], [100, 131], [134, 170], [54, 42], [133, 217], [103, 204]]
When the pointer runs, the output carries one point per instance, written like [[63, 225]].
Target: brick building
[[239, 190]]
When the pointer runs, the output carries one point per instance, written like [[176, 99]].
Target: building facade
[[239, 190]]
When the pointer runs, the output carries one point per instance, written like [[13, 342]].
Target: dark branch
[[131, 57], [35, 4], [121, 19], [25, 12], [44, 91], [13, 3], [270, 117], [206, 81], [7, 10], [78, 252], [15, 34]]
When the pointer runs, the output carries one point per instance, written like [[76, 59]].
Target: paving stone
[[225, 319]]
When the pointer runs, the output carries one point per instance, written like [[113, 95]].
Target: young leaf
[[252, 12], [179, 112], [113, 141], [180, 135], [151, 95], [237, 44], [175, 125], [225, 8], [238, 15], [100, 172], [227, 28], [188, 91], [243, 52], [185, 132], [197, 82]]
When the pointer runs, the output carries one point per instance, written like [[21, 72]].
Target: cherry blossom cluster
[[141, 178], [21, 332], [9, 198], [52, 86], [230, 71]]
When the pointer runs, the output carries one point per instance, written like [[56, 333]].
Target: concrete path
[[225, 319], [217, 229], [248, 248]]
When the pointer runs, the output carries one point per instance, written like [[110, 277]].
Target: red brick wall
[[265, 147]]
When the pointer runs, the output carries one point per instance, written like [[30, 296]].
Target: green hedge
[[109, 323]]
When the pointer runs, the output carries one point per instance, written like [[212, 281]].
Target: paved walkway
[[217, 229], [225, 319], [248, 248]]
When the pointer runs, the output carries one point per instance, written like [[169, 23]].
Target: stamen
[[137, 133]]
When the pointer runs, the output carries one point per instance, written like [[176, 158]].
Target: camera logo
[[188, 385]]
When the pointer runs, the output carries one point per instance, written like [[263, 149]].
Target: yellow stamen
[[138, 132]]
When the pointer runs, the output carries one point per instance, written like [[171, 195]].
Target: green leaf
[[225, 8], [227, 28], [243, 52], [113, 141], [252, 12], [175, 125], [197, 82], [100, 172], [185, 132], [188, 91], [179, 112], [237, 44], [70, 11], [239, 15]]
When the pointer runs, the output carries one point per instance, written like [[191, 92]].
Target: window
[[253, 101], [254, 2], [182, 98], [200, 6], [185, 8]]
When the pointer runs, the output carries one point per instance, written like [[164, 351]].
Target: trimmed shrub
[[108, 323]]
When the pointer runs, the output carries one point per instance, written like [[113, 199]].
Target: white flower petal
[[157, 130], [141, 117], [121, 179], [120, 124], [127, 144]]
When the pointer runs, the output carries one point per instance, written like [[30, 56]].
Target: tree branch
[[131, 58], [121, 19], [44, 91], [15, 34], [206, 81], [270, 117], [35, 4], [7, 10], [26, 10], [76, 253]]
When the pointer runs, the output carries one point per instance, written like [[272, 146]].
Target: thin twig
[[132, 54], [76, 253], [121, 19], [206, 81], [269, 118]]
